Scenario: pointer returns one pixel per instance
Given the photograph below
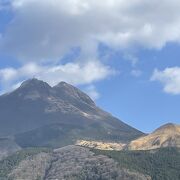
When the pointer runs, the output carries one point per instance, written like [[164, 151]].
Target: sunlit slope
[[165, 136]]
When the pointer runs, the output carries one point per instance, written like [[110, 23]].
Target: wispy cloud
[[73, 73], [169, 78], [136, 72], [92, 92]]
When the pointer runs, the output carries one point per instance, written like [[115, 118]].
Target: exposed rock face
[[101, 145], [72, 163], [165, 136], [36, 109], [73, 95], [7, 147]]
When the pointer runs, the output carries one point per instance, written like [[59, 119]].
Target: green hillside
[[70, 163], [9, 163], [161, 164]]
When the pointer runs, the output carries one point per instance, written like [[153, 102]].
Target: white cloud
[[136, 72], [131, 58], [92, 92], [72, 73], [46, 29], [170, 79]]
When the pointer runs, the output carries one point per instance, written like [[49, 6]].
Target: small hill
[[166, 136]]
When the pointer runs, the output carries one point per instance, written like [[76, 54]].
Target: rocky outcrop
[[101, 145]]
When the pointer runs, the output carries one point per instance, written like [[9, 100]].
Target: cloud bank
[[44, 31]]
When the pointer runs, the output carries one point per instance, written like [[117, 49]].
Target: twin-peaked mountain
[[37, 114]]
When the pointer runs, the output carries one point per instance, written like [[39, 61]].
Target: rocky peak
[[72, 94], [34, 83], [33, 89]]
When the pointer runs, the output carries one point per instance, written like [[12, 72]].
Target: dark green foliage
[[161, 164], [7, 164]]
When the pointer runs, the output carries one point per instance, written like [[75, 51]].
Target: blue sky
[[125, 55], [137, 100]]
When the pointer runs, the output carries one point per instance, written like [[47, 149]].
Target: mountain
[[37, 114], [166, 136], [67, 163]]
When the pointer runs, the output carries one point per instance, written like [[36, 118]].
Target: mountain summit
[[32, 88], [72, 94], [38, 114]]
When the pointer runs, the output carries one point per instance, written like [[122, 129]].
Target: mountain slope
[[165, 136], [7, 147], [36, 109]]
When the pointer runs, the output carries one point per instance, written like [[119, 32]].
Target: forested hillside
[[68, 163], [161, 164]]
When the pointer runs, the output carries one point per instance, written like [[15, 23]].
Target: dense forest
[[161, 164], [7, 164], [70, 163]]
